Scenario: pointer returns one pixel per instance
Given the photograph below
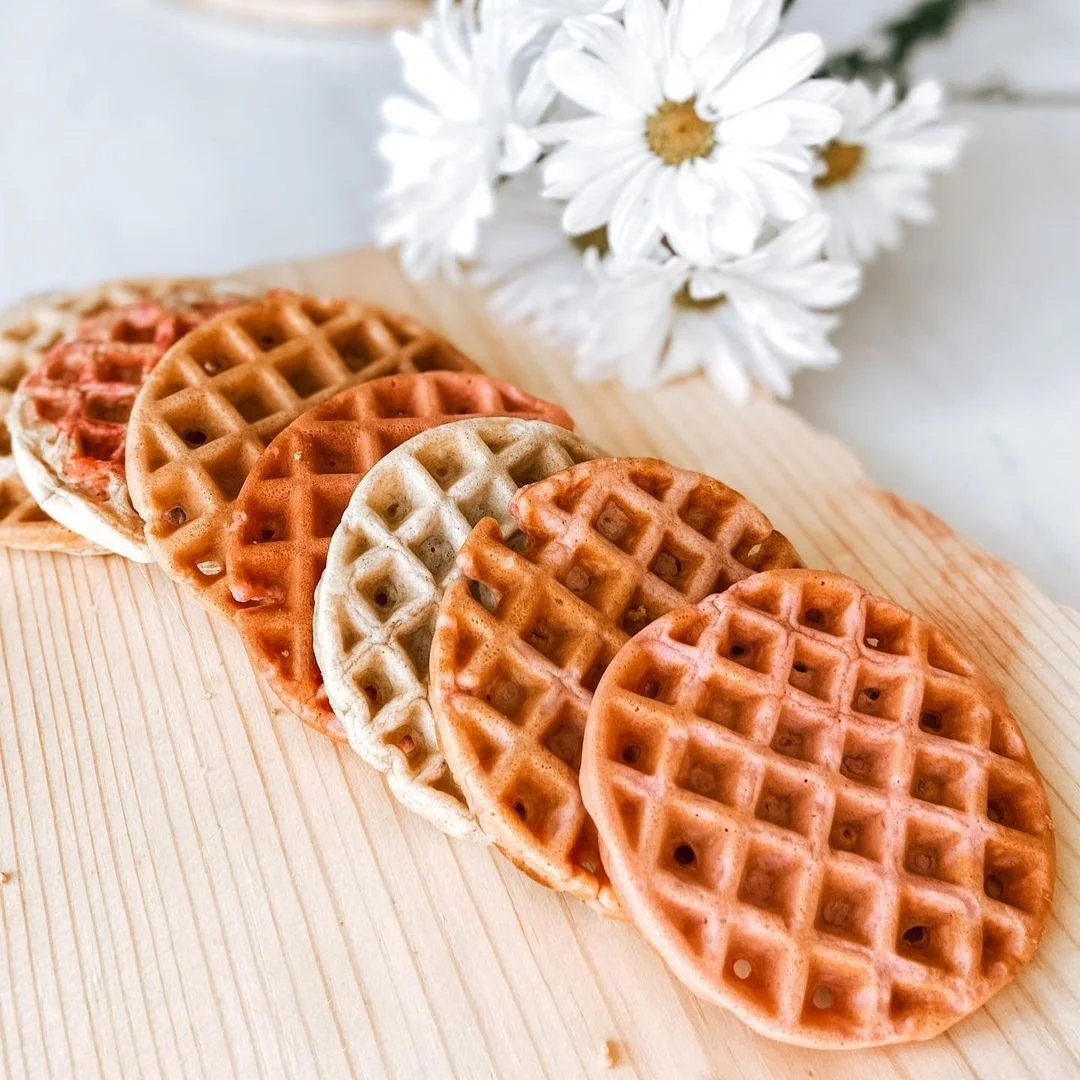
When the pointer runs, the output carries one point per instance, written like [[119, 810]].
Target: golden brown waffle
[[293, 499], [221, 395], [523, 639], [27, 332], [819, 812], [388, 564]]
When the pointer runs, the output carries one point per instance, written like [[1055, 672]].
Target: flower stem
[[928, 20]]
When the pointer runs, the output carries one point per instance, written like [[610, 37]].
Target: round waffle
[[27, 332], [217, 400], [293, 499], [524, 637], [819, 812], [388, 564], [68, 414], [24, 525]]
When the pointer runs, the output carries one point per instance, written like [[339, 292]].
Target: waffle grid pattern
[[293, 499], [80, 397], [389, 564], [819, 812], [24, 525], [222, 394], [524, 639], [27, 332]]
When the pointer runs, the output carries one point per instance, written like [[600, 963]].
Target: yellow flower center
[[685, 302], [842, 160], [594, 238], [675, 133]]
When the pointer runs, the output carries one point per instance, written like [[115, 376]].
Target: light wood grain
[[203, 888], [376, 14]]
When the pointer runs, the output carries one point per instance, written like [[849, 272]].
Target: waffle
[[819, 812], [218, 399], [24, 525], [27, 332], [293, 499], [388, 564], [524, 637], [67, 416]]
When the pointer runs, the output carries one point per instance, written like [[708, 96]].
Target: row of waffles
[[808, 800]]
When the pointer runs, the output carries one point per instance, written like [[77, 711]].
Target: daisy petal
[[760, 19], [764, 126], [714, 63], [694, 189], [644, 21], [570, 167], [786, 197], [698, 23], [595, 131], [591, 84], [633, 228], [520, 150], [798, 243], [810, 123], [725, 369], [819, 92], [736, 222], [409, 115], [769, 74], [679, 80], [592, 205], [612, 46]]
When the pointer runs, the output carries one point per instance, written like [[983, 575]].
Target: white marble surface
[[136, 138]]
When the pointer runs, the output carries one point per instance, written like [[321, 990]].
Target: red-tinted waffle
[[69, 414]]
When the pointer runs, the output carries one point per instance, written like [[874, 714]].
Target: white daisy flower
[[480, 96], [552, 12], [752, 319], [876, 173], [534, 271], [699, 119]]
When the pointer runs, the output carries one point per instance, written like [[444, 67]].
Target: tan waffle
[[819, 812], [24, 525], [388, 564], [293, 499], [27, 332], [523, 639], [217, 400]]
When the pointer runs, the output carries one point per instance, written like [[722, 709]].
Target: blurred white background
[[141, 136]]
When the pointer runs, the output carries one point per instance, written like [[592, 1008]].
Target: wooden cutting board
[[326, 13], [201, 887]]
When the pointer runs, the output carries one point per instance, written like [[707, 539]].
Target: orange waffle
[[293, 499], [68, 415], [819, 812], [523, 638], [218, 398]]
